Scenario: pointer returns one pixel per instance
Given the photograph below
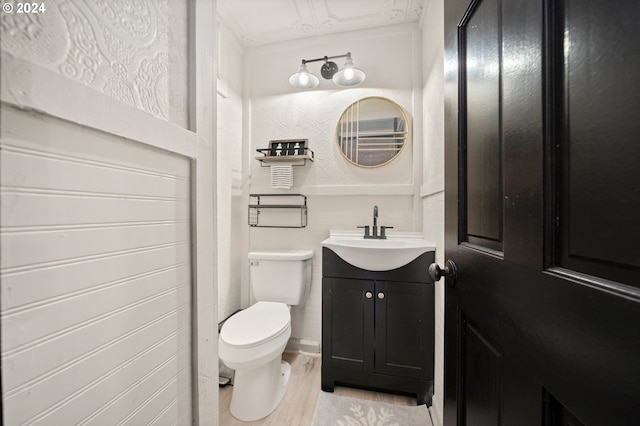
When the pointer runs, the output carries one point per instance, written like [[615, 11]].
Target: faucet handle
[[383, 229], [366, 230]]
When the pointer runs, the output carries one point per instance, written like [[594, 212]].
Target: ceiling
[[257, 22]]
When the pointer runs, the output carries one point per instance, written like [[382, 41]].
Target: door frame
[[203, 115]]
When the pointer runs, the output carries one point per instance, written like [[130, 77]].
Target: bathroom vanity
[[377, 325]]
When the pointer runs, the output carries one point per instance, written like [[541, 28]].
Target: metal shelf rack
[[294, 151], [276, 204]]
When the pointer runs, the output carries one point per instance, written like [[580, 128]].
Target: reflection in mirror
[[372, 132]]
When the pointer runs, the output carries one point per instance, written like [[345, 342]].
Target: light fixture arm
[[326, 58]]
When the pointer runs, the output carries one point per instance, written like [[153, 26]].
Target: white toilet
[[252, 341]]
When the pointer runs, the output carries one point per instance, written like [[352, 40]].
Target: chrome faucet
[[374, 230]]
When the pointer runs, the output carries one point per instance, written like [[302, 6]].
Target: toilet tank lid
[[281, 255]]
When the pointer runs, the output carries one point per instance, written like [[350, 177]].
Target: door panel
[[600, 153], [557, 414], [481, 378], [482, 151], [549, 316]]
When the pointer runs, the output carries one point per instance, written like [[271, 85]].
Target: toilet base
[[258, 391]]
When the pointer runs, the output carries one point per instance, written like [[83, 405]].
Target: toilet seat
[[255, 335], [256, 325]]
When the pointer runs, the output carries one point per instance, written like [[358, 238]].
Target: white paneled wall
[[96, 277], [107, 221]]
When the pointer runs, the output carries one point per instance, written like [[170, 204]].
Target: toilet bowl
[[252, 341]]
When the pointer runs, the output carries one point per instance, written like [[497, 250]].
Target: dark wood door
[[542, 201]]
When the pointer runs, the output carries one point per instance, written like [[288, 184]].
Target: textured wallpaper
[[132, 50]]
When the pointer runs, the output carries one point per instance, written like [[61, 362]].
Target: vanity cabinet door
[[347, 332], [403, 329]]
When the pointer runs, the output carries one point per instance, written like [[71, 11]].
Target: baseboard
[[302, 345]]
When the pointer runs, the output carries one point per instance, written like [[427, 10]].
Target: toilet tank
[[280, 276]]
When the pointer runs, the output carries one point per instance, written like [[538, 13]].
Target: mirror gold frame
[[372, 132]]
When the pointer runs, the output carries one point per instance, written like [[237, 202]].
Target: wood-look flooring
[[299, 402]]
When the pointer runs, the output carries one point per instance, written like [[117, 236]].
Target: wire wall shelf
[[277, 210]]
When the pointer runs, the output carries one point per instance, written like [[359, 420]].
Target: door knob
[[450, 271], [381, 295], [368, 295]]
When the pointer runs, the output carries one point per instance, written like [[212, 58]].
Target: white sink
[[397, 250]]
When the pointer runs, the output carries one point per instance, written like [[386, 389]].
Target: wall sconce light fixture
[[347, 76]]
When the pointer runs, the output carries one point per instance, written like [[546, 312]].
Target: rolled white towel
[[282, 176]]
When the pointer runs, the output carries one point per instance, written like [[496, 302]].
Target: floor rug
[[335, 410]]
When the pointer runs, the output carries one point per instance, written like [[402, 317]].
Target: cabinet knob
[[381, 295], [368, 295]]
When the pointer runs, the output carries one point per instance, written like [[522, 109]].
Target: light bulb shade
[[303, 79], [349, 75]]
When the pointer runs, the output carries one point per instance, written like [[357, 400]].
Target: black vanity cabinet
[[377, 327]]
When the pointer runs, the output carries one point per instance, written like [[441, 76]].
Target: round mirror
[[372, 132]]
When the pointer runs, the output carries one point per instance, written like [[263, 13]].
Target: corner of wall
[[432, 188]]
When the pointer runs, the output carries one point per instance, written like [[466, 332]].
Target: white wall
[[340, 195], [231, 252], [432, 189], [137, 55], [107, 298], [96, 276]]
